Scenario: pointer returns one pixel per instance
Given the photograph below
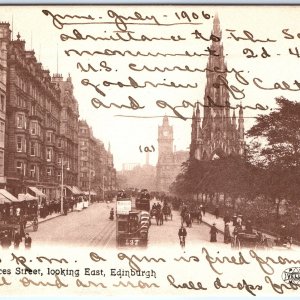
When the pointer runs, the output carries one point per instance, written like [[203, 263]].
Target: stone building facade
[[33, 112], [5, 34], [216, 132], [39, 129], [67, 142], [96, 167], [169, 161], [87, 145]]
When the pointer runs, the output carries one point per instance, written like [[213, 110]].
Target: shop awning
[[77, 191], [37, 191], [26, 197], [69, 188], [6, 197]]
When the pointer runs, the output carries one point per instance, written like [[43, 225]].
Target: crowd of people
[[14, 238], [54, 206]]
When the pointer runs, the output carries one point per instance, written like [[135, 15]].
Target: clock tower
[[165, 142], [169, 161]]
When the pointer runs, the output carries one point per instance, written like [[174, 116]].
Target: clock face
[[165, 133]]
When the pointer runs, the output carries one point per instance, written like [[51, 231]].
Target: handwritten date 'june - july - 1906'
[[120, 28]]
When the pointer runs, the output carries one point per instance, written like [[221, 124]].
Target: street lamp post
[[90, 186], [62, 187], [91, 174], [103, 187]]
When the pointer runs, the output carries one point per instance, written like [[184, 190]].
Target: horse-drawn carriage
[[248, 240], [30, 214], [16, 213], [196, 215], [257, 240], [29, 210], [8, 231], [153, 212], [167, 212]]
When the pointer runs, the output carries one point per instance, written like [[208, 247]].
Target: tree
[[276, 151], [230, 175], [277, 135]]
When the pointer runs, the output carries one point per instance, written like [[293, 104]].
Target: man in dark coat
[[28, 241], [182, 235], [226, 218], [213, 233], [227, 236], [17, 240], [5, 242], [217, 212], [203, 209]]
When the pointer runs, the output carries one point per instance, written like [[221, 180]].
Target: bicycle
[[182, 241]]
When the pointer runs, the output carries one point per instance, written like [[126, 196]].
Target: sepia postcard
[[149, 150]]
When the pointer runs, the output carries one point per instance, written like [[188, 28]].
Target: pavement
[[166, 235], [89, 227], [92, 227], [52, 216], [210, 219], [158, 234]]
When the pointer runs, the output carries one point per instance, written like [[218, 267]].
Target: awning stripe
[[6, 197], [37, 191]]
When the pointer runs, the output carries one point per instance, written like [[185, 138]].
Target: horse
[[196, 215], [159, 216], [167, 212], [153, 212]]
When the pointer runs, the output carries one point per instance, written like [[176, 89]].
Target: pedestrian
[[182, 236], [227, 236], [161, 217], [217, 212], [213, 233], [157, 217], [239, 220], [203, 209], [5, 241], [28, 241], [17, 240], [200, 216], [226, 218], [248, 227], [188, 219]]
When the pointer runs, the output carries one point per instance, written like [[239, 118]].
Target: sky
[[126, 134]]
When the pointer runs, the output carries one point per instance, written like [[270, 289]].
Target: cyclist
[[182, 235]]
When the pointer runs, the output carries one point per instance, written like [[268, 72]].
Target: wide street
[[92, 227]]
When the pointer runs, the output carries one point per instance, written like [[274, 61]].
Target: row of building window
[[2, 128], [32, 91], [34, 170], [2, 103], [35, 148], [22, 122], [1, 163]]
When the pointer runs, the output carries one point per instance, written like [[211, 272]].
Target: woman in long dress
[[227, 237], [213, 233]]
